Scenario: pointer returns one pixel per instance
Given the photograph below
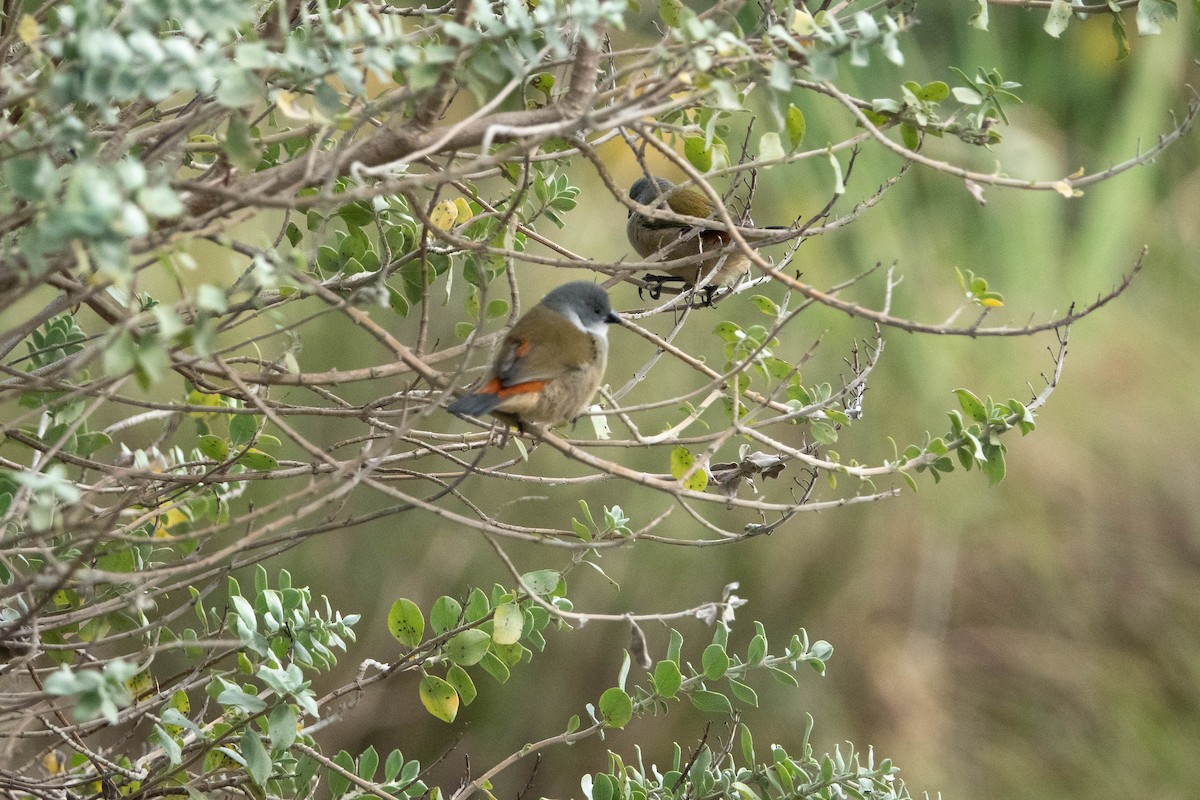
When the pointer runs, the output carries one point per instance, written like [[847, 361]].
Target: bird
[[550, 362], [649, 236]]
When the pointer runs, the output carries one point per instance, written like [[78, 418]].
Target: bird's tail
[[475, 405]]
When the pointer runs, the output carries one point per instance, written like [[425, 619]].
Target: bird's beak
[[613, 318]]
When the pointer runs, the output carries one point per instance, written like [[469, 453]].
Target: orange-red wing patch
[[522, 348], [491, 387], [529, 387]]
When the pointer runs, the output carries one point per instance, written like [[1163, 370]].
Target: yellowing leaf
[[286, 101], [167, 521], [28, 29], [1066, 190], [139, 685], [53, 762], [439, 698], [507, 624], [803, 23], [464, 210], [444, 215]]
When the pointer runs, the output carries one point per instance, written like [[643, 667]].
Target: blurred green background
[[1038, 639]]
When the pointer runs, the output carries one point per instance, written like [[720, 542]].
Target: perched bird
[[649, 236], [550, 363]]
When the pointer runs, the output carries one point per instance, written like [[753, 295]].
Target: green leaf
[[213, 447], [439, 698], [616, 708], [823, 432], [169, 745], [669, 11], [392, 765], [933, 92], [468, 647], [338, 783], [603, 787], [406, 623], [31, 178], [242, 428], [368, 762], [493, 666], [994, 467], [667, 678], [766, 305], [477, 605], [910, 136], [796, 126], [281, 726], [496, 308], [967, 96], [258, 460], [674, 646], [231, 695], [507, 624], [715, 662], [240, 146], [90, 442], [697, 154], [757, 649], [710, 702], [445, 614], [743, 693], [971, 404], [457, 677], [258, 760], [542, 582]]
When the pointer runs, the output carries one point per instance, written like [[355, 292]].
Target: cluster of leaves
[[245, 437], [489, 632], [252, 709], [64, 424], [714, 687], [755, 347], [975, 440], [718, 774]]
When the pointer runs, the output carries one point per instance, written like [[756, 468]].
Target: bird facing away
[[672, 240], [550, 363]]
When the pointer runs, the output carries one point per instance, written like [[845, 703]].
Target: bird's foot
[[702, 297], [654, 285]]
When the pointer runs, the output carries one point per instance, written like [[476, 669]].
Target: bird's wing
[[557, 348]]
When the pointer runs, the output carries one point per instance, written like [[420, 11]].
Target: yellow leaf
[[139, 685], [444, 215], [53, 762], [439, 698], [1066, 190], [29, 30], [167, 521], [464, 210], [804, 24], [991, 302], [286, 102]]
